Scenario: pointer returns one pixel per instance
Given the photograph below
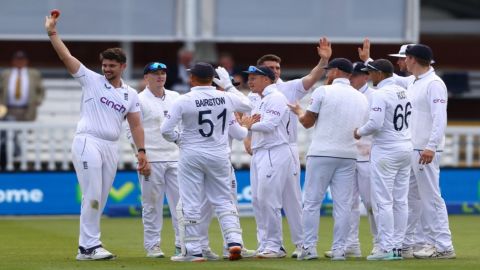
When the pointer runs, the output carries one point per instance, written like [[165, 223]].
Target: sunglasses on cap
[[254, 69], [154, 67]]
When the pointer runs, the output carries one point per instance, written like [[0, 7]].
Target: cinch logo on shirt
[[277, 113], [439, 101], [117, 107], [377, 109]]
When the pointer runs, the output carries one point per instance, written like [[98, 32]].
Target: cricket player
[[106, 102], [415, 238], [361, 183], [390, 158], [332, 155], [272, 164], [204, 165], [429, 98], [155, 102], [294, 91]]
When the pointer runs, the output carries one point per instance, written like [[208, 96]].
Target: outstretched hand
[[223, 80], [364, 52], [324, 48], [50, 23], [296, 108]]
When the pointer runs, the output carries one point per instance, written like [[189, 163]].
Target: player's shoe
[[155, 252], [309, 253], [188, 258], [297, 251], [246, 253], [210, 255], [353, 252], [397, 254], [448, 254], [178, 251], [375, 249], [381, 255], [235, 251], [270, 254], [94, 253], [407, 253], [338, 256], [426, 252]]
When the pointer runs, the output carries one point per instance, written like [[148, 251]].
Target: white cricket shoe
[[309, 253], [297, 251], [426, 252], [188, 258], [381, 255], [338, 256], [155, 252], [353, 252], [210, 255], [270, 254], [98, 253], [407, 253]]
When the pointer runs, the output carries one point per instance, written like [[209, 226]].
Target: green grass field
[[51, 243]]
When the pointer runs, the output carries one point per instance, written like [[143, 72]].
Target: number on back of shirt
[[400, 116], [202, 120]]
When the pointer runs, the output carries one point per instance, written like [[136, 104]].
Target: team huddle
[[380, 144]]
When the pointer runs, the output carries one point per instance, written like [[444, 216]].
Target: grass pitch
[[51, 243]]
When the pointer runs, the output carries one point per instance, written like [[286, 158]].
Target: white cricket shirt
[[103, 106], [205, 113], [389, 118], [272, 128], [429, 98], [364, 145], [340, 108]]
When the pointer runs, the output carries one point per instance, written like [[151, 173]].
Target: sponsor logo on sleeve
[[439, 100], [376, 109]]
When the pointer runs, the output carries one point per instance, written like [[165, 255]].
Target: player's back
[[394, 100], [205, 115]]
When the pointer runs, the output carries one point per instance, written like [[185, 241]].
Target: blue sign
[[44, 193]]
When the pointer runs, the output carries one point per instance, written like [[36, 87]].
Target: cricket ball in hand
[[55, 13]]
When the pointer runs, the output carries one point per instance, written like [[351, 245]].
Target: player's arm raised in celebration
[[324, 50], [71, 63]]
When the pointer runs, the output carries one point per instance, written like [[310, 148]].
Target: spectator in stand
[[177, 78]]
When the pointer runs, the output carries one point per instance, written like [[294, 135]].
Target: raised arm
[[71, 63], [324, 50], [364, 52]]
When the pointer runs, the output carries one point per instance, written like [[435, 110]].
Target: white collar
[[385, 82]]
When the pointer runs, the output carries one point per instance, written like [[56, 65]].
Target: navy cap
[[420, 51], [202, 70], [261, 70], [154, 66], [357, 68], [382, 65], [341, 63]]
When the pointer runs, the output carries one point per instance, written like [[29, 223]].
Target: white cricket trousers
[[415, 236], [435, 216], [200, 176], [160, 183], [269, 172], [292, 200], [321, 172], [361, 190], [390, 174], [95, 161]]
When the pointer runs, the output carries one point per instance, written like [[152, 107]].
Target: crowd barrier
[[58, 193]]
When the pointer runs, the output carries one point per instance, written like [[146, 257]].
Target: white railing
[[47, 147]]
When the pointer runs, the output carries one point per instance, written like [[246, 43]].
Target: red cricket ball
[[55, 13]]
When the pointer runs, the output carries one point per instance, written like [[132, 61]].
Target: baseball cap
[[154, 66], [382, 65], [202, 70], [341, 63], [357, 68], [420, 51], [401, 52], [261, 70]]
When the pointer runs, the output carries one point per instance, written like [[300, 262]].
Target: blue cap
[[154, 66], [202, 70], [382, 65], [342, 64], [420, 51], [358, 68], [261, 70]]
